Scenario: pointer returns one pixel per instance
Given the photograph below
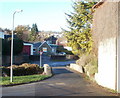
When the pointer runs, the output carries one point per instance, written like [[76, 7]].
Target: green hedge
[[17, 46], [24, 69]]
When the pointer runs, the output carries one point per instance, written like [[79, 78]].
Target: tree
[[19, 30], [33, 33], [34, 26], [79, 33], [8, 31]]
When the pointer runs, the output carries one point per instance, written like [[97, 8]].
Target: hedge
[[17, 46], [24, 69]]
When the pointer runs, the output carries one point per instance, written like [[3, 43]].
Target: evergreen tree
[[79, 33], [34, 33]]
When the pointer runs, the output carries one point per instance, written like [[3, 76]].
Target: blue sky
[[49, 15]]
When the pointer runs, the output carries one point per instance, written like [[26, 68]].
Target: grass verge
[[22, 79]]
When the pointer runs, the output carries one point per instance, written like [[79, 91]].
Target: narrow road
[[63, 83], [52, 63]]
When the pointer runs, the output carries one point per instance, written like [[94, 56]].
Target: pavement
[[65, 82]]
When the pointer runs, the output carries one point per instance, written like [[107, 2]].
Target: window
[[44, 49], [33, 50]]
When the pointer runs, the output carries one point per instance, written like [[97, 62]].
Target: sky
[[49, 15]]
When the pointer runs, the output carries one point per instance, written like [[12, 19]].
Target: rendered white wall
[[118, 65], [118, 50], [106, 75]]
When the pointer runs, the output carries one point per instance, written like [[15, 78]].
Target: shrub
[[17, 46], [92, 66], [6, 71], [24, 69]]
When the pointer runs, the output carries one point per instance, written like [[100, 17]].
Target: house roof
[[98, 4], [53, 45], [9, 36], [44, 43], [28, 42], [51, 38], [37, 44]]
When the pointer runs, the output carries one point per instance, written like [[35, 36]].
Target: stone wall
[[76, 67], [105, 28]]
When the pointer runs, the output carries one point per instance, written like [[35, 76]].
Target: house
[[1, 34], [51, 40], [44, 47], [54, 48], [35, 47], [63, 41], [27, 48], [6, 36]]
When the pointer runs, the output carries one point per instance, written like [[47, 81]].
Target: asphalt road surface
[[63, 83]]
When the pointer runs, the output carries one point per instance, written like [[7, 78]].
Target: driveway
[[63, 83]]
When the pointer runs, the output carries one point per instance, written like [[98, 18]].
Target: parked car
[[62, 53]]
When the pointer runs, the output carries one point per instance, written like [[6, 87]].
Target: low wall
[[34, 57], [58, 57], [76, 67]]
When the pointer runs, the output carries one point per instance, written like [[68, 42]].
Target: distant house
[[62, 41], [51, 40], [6, 36], [44, 47], [27, 48], [1, 34]]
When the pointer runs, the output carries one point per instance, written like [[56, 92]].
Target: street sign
[[41, 52]]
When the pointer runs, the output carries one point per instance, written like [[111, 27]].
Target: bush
[[92, 67], [17, 46], [24, 69]]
